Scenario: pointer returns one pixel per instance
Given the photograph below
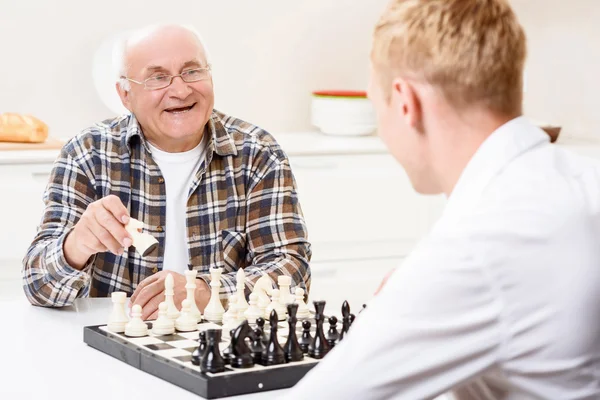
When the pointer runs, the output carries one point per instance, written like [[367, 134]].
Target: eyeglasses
[[162, 81]]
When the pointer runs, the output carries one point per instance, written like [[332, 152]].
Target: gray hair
[[122, 44]]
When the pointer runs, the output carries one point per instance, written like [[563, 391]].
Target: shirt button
[[161, 180], [159, 228], [154, 270]]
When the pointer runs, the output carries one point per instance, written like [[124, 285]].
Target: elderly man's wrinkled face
[[173, 118]]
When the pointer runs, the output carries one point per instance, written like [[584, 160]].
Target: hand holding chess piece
[[101, 228], [151, 292]]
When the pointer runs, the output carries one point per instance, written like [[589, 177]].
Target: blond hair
[[472, 50]]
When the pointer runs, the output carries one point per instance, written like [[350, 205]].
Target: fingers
[[150, 310], [114, 205], [154, 316], [109, 221], [148, 293], [149, 280], [101, 227]]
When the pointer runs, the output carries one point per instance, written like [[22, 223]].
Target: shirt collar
[[498, 150], [221, 141]]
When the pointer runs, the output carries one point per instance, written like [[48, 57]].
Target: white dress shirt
[[500, 301]]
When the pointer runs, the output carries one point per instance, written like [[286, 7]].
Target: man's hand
[[151, 292], [384, 281], [101, 228]]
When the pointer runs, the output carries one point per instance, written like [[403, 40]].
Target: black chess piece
[[212, 361], [363, 308], [260, 322], [197, 354], [345, 320], [257, 346], [319, 347], [229, 349], [332, 335], [273, 354], [306, 338], [351, 320], [240, 356], [292, 349]]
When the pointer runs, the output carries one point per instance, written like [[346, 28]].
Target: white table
[[44, 357]]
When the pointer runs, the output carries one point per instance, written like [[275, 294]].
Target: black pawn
[[292, 349], [345, 320], [260, 322], [273, 354], [229, 349], [319, 347], [212, 361], [257, 346], [306, 338], [241, 356], [197, 354], [332, 334]]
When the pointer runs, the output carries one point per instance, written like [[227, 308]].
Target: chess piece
[[241, 357], [285, 296], [212, 361], [143, 242], [291, 349], [260, 323], [306, 338], [229, 349], [136, 327], [118, 316], [332, 335], [351, 320], [231, 314], [303, 310], [197, 354], [190, 287], [263, 304], [163, 324], [241, 291], [319, 347], [257, 345], [186, 321], [345, 320], [214, 309], [277, 306], [172, 311], [273, 354], [263, 288], [253, 312]]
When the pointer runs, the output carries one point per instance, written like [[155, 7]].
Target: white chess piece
[[163, 324], [190, 276], [253, 312], [263, 288], [118, 316], [263, 302], [277, 306], [172, 311], [214, 309], [186, 321], [241, 291], [136, 327], [143, 242], [285, 296], [232, 310], [303, 310]]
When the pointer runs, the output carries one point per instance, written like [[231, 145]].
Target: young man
[[502, 299], [214, 190]]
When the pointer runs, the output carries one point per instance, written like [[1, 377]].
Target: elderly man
[[215, 191], [502, 299]]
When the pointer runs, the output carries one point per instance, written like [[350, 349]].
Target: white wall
[[270, 54]]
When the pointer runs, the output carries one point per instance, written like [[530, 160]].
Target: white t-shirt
[[178, 170]]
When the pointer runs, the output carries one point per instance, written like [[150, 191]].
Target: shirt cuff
[[60, 270]]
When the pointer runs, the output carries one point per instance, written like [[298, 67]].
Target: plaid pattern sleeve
[[48, 278]]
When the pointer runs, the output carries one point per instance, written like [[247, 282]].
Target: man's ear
[[406, 99], [124, 95]]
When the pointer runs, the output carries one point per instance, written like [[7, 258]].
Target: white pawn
[[163, 324], [253, 312], [285, 296], [186, 321], [232, 311], [172, 311], [136, 327], [118, 316], [190, 276], [241, 291], [303, 310], [214, 309], [277, 306]]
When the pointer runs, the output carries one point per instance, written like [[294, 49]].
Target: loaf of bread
[[22, 128]]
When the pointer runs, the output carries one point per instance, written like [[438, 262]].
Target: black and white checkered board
[[169, 358]]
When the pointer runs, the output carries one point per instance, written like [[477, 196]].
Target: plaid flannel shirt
[[242, 212]]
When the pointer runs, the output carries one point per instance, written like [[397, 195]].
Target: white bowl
[[342, 115]]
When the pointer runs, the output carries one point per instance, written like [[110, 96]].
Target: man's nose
[[179, 88]]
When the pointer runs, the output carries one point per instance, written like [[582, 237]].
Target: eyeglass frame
[[171, 77]]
